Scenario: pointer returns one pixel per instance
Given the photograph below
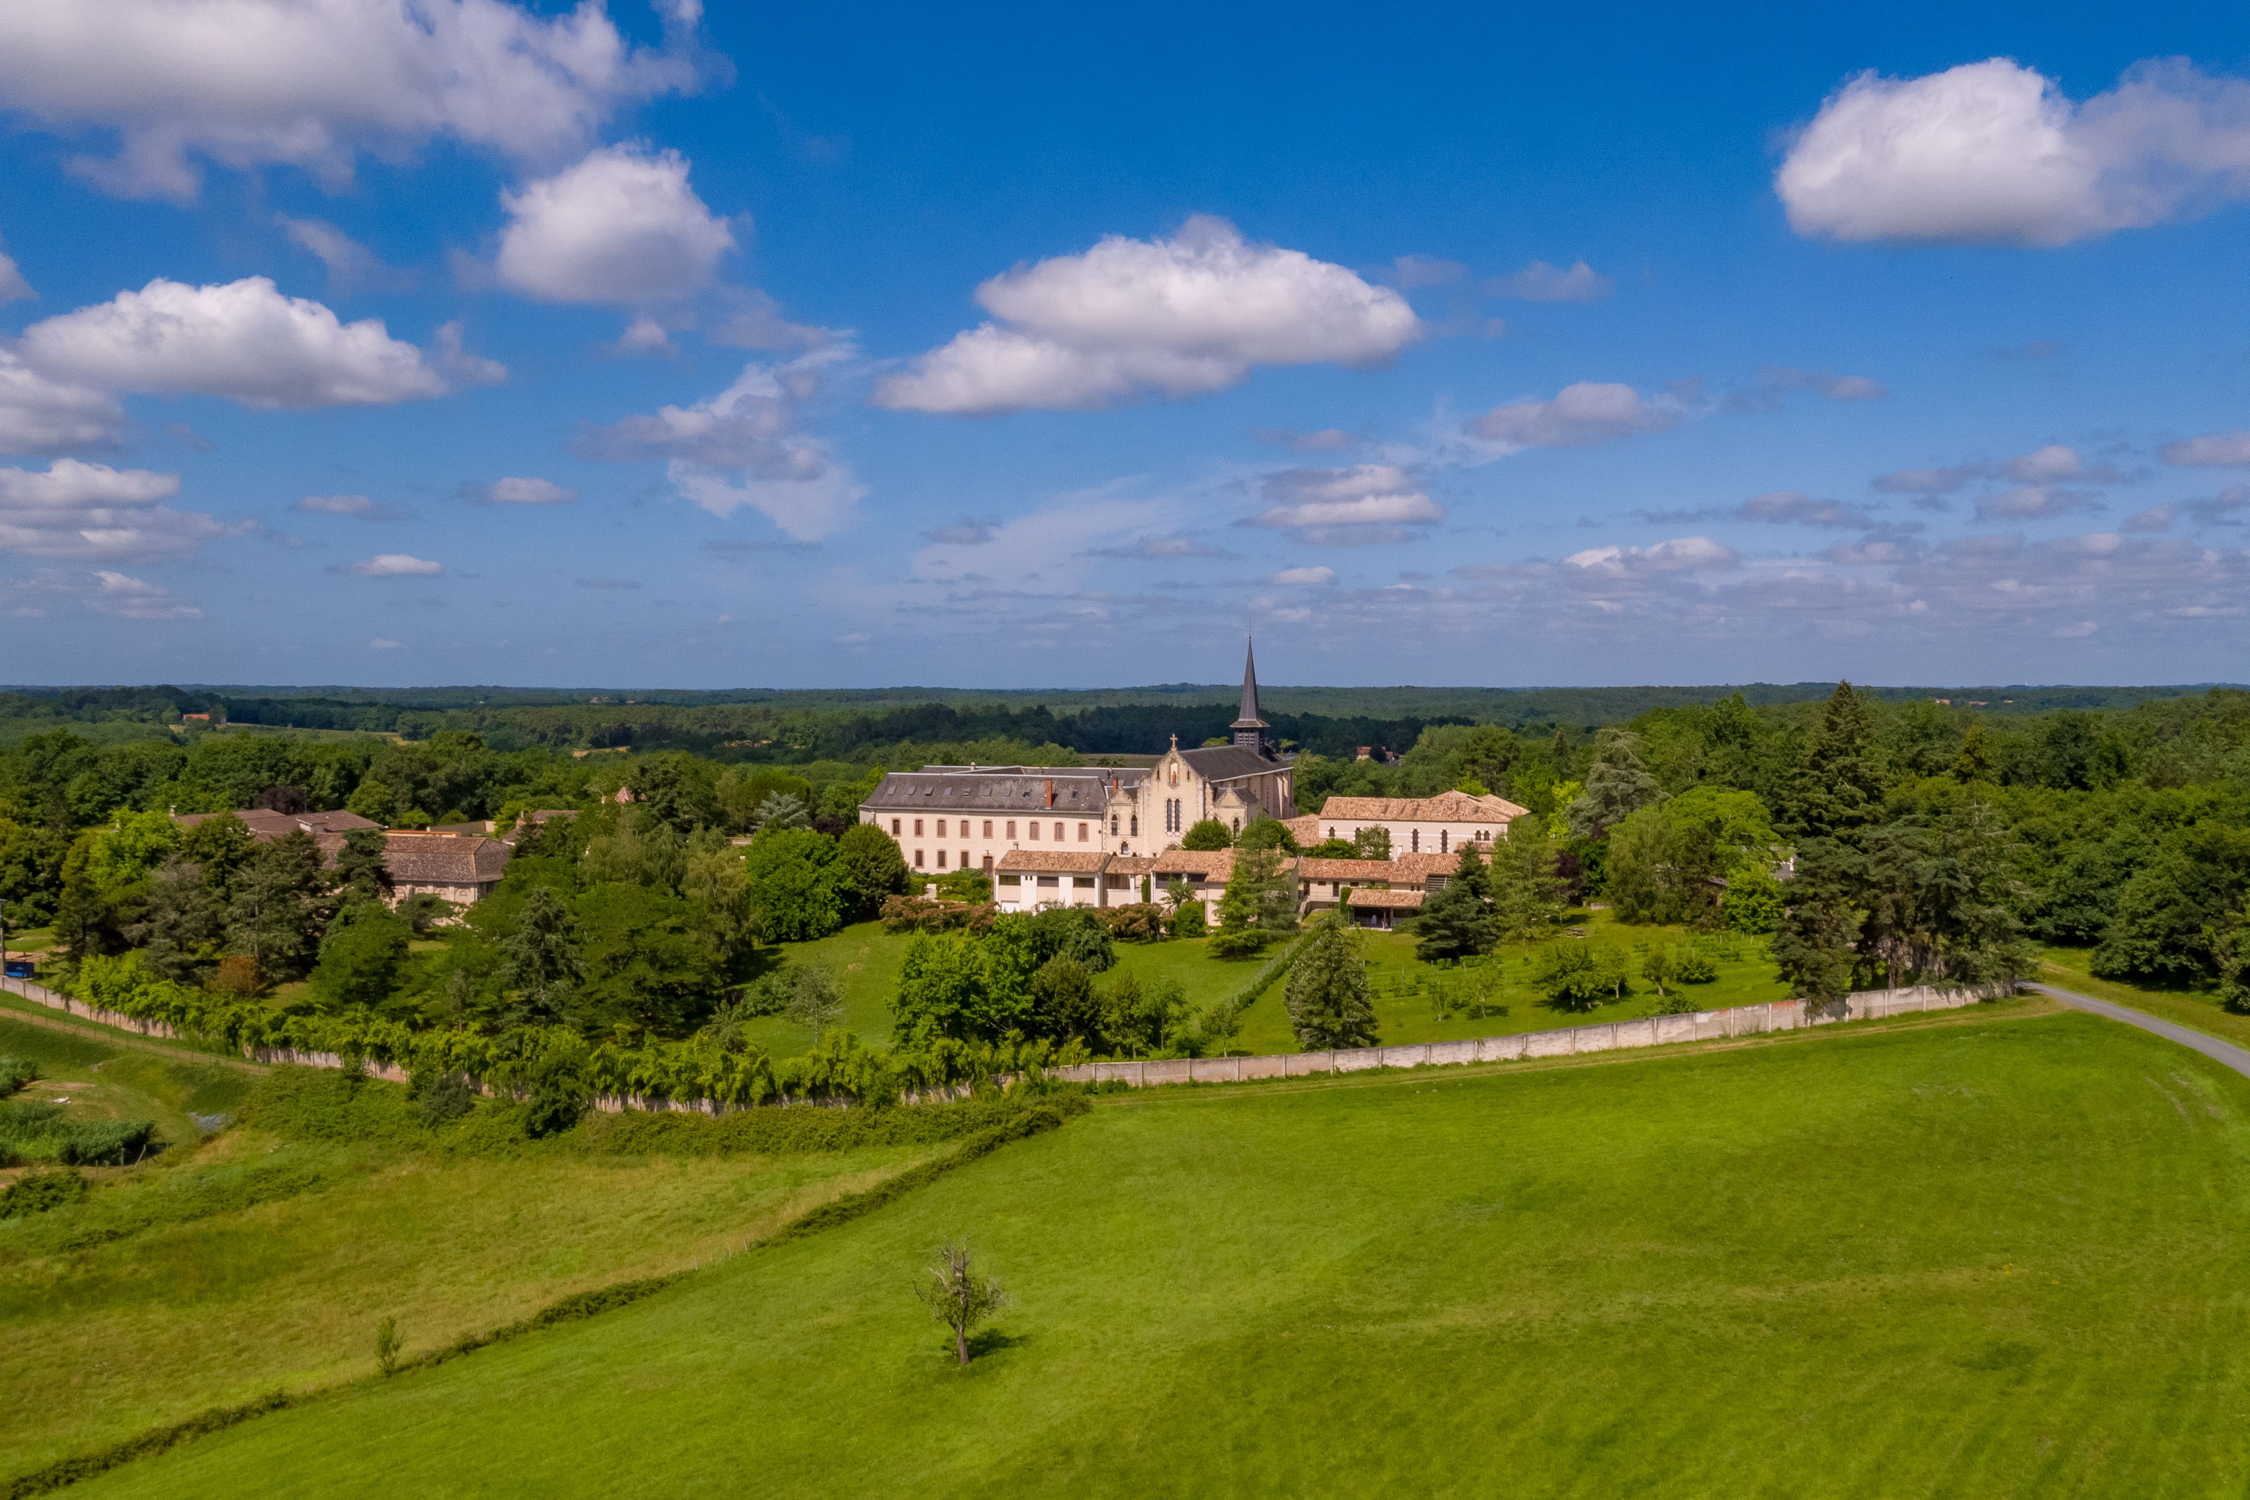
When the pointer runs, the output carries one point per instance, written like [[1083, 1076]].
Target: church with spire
[[1076, 818]]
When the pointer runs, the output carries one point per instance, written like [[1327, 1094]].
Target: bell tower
[[1250, 730]]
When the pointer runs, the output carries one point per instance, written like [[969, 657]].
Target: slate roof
[[1225, 762], [1083, 790], [1048, 861], [1446, 807]]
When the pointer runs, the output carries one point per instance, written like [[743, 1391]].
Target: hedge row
[[699, 1071]]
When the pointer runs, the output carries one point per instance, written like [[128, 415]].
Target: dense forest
[[1880, 842]]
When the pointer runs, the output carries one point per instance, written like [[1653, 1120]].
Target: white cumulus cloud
[[12, 284], [622, 226], [522, 490], [244, 340], [39, 415], [136, 599], [1685, 554], [1363, 502], [2213, 450], [314, 83], [745, 448], [1587, 412], [1289, 577], [1180, 316], [74, 509], [1541, 282], [397, 565], [1994, 152]]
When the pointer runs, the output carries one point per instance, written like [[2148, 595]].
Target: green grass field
[[1996, 1252], [865, 961]]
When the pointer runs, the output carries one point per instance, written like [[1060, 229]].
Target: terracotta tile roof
[[1420, 867], [1212, 864], [1077, 862], [1305, 830], [266, 825], [1395, 900], [1446, 807], [1346, 869], [1133, 864], [444, 858]]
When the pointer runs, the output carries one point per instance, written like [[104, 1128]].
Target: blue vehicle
[[20, 968]]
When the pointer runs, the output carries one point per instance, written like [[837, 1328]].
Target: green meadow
[[235, 1263], [1993, 1252], [865, 961]]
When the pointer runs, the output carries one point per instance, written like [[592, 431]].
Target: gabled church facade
[[955, 817]]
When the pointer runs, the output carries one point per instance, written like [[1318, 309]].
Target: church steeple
[[1249, 729]]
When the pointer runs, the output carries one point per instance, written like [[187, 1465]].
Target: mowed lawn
[[865, 961], [1991, 1253]]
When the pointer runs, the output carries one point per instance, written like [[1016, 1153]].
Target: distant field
[[1996, 1253], [865, 960]]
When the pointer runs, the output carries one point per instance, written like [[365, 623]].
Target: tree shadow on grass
[[990, 1341]]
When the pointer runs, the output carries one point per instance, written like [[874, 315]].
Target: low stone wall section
[[1569, 1041]]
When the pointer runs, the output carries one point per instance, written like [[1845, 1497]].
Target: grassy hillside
[[264, 1256], [1995, 1253], [865, 960]]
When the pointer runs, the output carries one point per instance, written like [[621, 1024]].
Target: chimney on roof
[[1050, 788]]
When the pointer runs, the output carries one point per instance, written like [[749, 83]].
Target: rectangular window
[[917, 827], [1081, 833], [1083, 882], [988, 828], [894, 828], [1007, 879], [1011, 829], [1049, 880], [941, 828], [1035, 833], [941, 859], [917, 859], [964, 859]]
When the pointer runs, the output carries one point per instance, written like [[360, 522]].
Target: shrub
[[1188, 920], [1580, 976], [441, 1095], [37, 1192], [1141, 922], [1696, 967], [107, 1143], [15, 1072], [387, 1344]]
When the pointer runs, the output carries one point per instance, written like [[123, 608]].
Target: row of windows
[[1085, 830], [918, 864]]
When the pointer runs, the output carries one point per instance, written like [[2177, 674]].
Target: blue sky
[[463, 341]]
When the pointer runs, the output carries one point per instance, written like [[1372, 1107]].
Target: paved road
[[2226, 1053]]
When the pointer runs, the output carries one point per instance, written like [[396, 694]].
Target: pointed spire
[[1249, 714], [1249, 729]]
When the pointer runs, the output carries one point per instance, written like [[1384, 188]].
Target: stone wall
[[1609, 1036]]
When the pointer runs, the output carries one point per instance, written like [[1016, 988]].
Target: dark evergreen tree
[[1457, 920], [1327, 993], [539, 958]]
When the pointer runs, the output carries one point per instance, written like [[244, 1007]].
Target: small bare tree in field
[[958, 1297]]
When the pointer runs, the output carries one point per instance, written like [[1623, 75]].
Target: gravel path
[[2226, 1053]]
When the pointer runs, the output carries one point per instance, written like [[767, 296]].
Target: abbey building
[[970, 817]]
